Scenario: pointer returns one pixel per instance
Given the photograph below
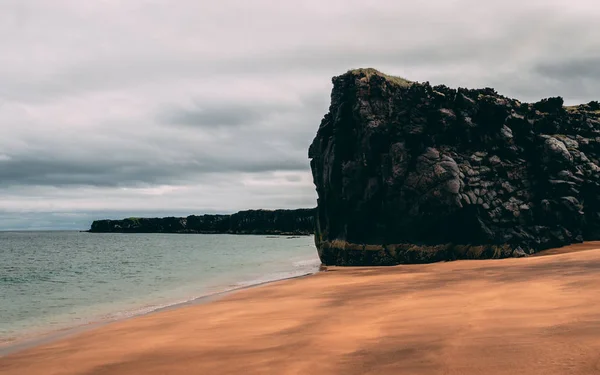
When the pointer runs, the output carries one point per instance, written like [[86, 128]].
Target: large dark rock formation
[[411, 173], [277, 222]]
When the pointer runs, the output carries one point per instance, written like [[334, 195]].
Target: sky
[[114, 108]]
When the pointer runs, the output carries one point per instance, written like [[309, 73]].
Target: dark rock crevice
[[406, 172]]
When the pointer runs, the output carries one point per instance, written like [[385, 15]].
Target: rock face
[[278, 222], [411, 173]]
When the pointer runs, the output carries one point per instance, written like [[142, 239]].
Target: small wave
[[307, 263], [280, 276], [304, 270], [144, 310]]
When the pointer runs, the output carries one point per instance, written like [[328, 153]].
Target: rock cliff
[[407, 172], [277, 222]]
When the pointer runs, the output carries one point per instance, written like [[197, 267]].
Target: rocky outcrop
[[277, 222], [407, 172]]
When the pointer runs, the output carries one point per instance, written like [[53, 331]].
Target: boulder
[[407, 172]]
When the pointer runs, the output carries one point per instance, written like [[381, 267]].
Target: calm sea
[[55, 280]]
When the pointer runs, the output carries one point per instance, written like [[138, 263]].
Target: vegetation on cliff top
[[593, 106], [370, 72]]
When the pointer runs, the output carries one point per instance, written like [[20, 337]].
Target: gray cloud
[[293, 178], [102, 172], [224, 116], [572, 69], [140, 106]]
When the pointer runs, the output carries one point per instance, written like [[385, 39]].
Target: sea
[[54, 281]]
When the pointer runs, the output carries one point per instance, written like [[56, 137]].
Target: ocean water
[[50, 281]]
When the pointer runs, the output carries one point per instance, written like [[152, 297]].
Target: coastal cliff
[[407, 172], [276, 222]]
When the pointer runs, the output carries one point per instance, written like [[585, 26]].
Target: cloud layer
[[111, 107]]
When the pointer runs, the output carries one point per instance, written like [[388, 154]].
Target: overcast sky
[[114, 108]]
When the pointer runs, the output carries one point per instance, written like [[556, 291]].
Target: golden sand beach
[[537, 315]]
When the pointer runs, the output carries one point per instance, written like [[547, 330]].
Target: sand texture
[[539, 315]]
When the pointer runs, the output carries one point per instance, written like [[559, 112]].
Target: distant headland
[[261, 222]]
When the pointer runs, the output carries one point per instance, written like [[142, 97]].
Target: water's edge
[[47, 338]]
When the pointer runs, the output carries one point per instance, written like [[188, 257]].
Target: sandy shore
[[539, 315]]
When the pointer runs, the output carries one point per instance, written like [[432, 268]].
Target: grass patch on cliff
[[580, 107], [370, 72]]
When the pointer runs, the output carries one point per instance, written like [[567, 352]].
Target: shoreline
[[535, 315], [37, 339], [11, 347]]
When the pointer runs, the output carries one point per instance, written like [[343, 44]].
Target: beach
[[536, 315]]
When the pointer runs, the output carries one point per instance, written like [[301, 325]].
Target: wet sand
[[538, 315]]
